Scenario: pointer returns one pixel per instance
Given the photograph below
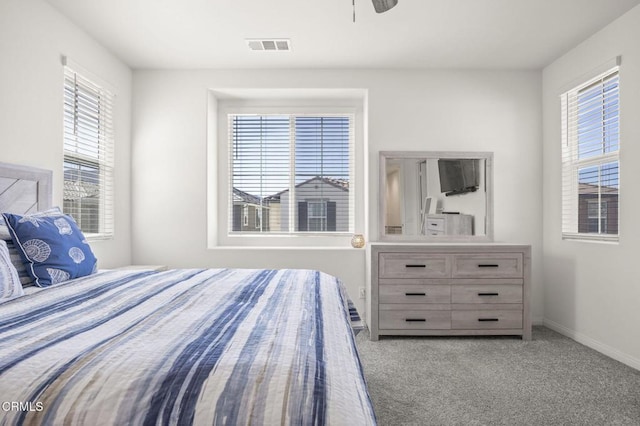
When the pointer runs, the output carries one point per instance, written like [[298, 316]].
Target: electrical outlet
[[362, 293]]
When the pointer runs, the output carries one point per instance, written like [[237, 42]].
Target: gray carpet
[[551, 380]]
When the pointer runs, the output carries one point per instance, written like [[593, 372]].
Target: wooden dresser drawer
[[488, 319], [435, 224], [499, 265], [486, 293], [399, 293], [414, 265], [414, 319]]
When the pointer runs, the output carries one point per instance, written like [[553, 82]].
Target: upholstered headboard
[[24, 189]]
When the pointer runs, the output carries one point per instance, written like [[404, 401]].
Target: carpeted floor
[[551, 380]]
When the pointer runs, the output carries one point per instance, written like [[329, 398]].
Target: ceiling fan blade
[[384, 5]]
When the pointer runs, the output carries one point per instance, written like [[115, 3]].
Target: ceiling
[[512, 34]]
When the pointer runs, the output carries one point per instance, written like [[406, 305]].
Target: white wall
[[33, 37], [407, 110], [592, 290]]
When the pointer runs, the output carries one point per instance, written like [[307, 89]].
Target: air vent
[[272, 45]]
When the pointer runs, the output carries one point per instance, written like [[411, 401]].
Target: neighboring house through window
[[591, 159], [88, 155], [293, 171]]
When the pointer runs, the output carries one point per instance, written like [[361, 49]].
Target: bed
[[189, 346]]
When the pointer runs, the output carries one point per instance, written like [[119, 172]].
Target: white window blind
[[591, 159], [88, 155], [294, 171]]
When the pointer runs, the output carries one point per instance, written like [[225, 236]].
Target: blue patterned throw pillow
[[53, 248], [4, 231], [16, 258]]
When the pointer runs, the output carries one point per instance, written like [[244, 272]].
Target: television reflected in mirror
[[458, 176], [436, 196]]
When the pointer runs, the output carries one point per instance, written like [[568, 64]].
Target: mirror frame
[[382, 202]]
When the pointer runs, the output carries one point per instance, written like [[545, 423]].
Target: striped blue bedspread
[[212, 346]]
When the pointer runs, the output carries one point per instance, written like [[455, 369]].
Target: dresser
[[450, 289], [449, 224]]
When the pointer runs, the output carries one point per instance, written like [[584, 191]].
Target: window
[[88, 155], [317, 216], [591, 159], [597, 219], [295, 170], [258, 218]]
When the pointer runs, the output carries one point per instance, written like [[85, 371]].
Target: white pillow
[[10, 285]]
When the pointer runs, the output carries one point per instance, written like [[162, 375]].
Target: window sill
[[285, 241], [310, 248], [591, 238], [98, 237]]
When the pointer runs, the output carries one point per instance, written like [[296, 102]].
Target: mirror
[[436, 196]]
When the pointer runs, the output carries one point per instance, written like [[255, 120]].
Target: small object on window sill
[[357, 241]]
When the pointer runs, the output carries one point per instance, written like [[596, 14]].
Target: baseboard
[[593, 344], [538, 321]]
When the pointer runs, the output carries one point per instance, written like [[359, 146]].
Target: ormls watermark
[[21, 406]]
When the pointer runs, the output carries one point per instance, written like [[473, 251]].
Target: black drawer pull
[[488, 294], [433, 224], [488, 265], [415, 294], [415, 266], [488, 319], [415, 320]]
